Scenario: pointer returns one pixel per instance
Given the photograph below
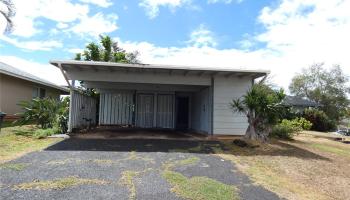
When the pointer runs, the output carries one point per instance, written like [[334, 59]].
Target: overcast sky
[[280, 35]]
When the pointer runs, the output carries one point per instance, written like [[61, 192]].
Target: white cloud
[[46, 45], [70, 17], [298, 34], [61, 25], [44, 71], [75, 50], [28, 12], [101, 3], [202, 36], [152, 6], [224, 1], [95, 25]]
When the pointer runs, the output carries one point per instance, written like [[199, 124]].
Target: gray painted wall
[[201, 111], [81, 107], [210, 105], [116, 108], [224, 120]]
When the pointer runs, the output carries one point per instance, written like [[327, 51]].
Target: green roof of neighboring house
[[299, 102]]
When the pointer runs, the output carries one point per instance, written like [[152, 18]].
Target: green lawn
[[16, 141]]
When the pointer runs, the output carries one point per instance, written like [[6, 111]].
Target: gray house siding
[[201, 111], [82, 111], [224, 120], [165, 96], [116, 108]]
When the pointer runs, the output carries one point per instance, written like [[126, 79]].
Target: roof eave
[[157, 66], [35, 81]]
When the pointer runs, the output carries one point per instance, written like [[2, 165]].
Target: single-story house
[[158, 96], [17, 85], [299, 104]]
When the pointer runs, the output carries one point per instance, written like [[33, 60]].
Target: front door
[[145, 110], [182, 113]]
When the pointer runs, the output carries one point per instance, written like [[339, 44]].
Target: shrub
[[320, 121], [40, 111], [286, 129], [48, 113], [282, 131], [304, 123], [62, 115], [43, 133]]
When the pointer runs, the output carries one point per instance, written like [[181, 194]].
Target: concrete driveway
[[120, 169]]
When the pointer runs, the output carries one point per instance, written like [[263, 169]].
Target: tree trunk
[[252, 133]]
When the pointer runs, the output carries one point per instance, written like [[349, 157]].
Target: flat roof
[[14, 72], [95, 65]]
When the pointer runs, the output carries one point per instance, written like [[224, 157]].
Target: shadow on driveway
[[281, 148]]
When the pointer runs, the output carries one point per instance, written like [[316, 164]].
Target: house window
[[35, 93], [42, 93], [38, 93]]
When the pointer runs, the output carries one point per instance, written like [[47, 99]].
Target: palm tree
[[8, 11], [262, 106]]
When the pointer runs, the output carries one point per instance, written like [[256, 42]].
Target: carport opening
[[173, 107]]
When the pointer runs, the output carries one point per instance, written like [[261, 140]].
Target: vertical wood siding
[[145, 110], [225, 121], [82, 109], [165, 111], [116, 108]]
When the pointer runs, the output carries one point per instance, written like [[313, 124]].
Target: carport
[[157, 96]]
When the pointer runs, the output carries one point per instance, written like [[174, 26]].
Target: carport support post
[[70, 128]]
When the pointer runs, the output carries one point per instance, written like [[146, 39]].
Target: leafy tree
[[107, 51], [327, 87], [77, 56], [262, 105], [92, 52], [8, 13]]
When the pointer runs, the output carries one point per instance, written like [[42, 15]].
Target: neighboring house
[[17, 86], [299, 103], [159, 96]]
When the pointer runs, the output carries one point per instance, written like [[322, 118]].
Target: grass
[[13, 166], [189, 161], [308, 167], [60, 183], [199, 188], [331, 149], [6, 124], [127, 179], [132, 156], [15, 142]]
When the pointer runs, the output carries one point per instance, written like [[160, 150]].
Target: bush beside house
[[320, 121], [286, 129], [49, 114]]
